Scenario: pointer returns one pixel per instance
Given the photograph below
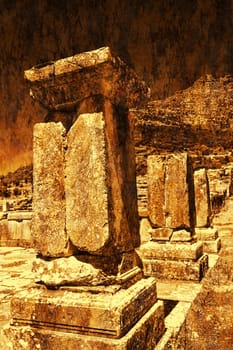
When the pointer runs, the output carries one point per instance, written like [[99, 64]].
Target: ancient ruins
[[172, 251], [91, 292], [118, 250]]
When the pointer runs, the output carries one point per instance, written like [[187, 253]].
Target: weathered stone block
[[110, 313], [180, 270], [144, 335], [48, 223], [156, 172], [86, 184], [202, 198], [175, 323], [67, 82], [161, 234], [178, 251], [168, 191], [145, 230], [181, 236], [212, 246], [100, 185], [68, 271], [206, 233], [19, 216], [4, 230], [177, 203]]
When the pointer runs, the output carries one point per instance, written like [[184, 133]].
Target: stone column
[[204, 232], [49, 218], [87, 206], [202, 198], [87, 186], [170, 198]]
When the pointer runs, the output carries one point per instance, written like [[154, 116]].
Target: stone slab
[[65, 83], [161, 233], [202, 198], [171, 251], [15, 233], [169, 191], [179, 270], [48, 222], [212, 246], [181, 236], [174, 337], [156, 189], [145, 230], [206, 233], [86, 184], [102, 314], [70, 271], [143, 335], [101, 201], [177, 290], [177, 201]]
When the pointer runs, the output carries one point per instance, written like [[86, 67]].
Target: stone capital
[[64, 84]]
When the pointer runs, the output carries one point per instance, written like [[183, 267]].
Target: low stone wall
[[220, 183], [220, 187], [15, 229]]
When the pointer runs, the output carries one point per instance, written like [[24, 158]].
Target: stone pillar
[[49, 218], [101, 203], [202, 198], [204, 232], [170, 197], [172, 252], [85, 188]]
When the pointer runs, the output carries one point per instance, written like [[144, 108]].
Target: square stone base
[[107, 311], [145, 334], [206, 233], [212, 246], [171, 251], [188, 270]]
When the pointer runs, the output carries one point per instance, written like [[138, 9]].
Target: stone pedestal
[[108, 312], [209, 237], [85, 223], [144, 334], [119, 316], [172, 252], [174, 261]]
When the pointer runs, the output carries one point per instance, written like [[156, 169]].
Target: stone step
[[171, 251]]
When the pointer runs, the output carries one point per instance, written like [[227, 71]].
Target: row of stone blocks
[[176, 232]]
